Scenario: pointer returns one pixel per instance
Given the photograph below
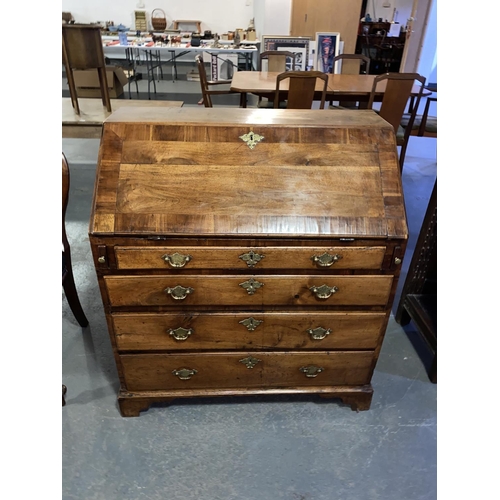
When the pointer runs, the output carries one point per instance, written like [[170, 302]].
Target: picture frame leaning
[[327, 47], [299, 45]]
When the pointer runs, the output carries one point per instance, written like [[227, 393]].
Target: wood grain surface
[[227, 331], [230, 258], [154, 371], [310, 175], [227, 290], [187, 181]]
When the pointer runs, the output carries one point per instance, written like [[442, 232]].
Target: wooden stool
[[82, 49]]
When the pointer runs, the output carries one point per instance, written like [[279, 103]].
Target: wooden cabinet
[[246, 252], [385, 52]]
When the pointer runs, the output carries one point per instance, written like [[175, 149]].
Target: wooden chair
[[276, 63], [394, 102], [276, 60], [68, 280], [81, 50], [301, 89], [423, 125], [418, 302], [427, 125], [360, 65], [206, 85]]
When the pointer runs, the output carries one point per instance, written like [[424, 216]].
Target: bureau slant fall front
[[242, 251]]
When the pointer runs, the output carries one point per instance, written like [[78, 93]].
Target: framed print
[[327, 47], [299, 45], [223, 66]]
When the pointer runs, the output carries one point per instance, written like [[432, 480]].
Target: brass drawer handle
[[250, 362], [180, 333], [326, 260], [251, 258], [250, 323], [323, 291], [179, 292], [311, 371], [319, 333], [176, 259], [185, 373], [251, 286]]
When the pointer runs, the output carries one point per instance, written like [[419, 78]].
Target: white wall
[[277, 17], [219, 16]]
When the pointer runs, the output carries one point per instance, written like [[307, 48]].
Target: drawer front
[[155, 372], [248, 290], [174, 258], [226, 331]]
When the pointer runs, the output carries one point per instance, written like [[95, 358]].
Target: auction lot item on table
[[244, 252]]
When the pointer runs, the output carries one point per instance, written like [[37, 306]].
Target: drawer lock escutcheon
[[251, 258], [251, 139], [251, 286], [319, 333], [179, 292], [176, 259], [180, 333], [185, 373], [311, 371], [325, 259], [323, 291], [250, 362], [250, 323]]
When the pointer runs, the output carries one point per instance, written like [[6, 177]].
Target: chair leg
[[72, 90], [402, 155], [104, 88], [72, 298], [64, 389]]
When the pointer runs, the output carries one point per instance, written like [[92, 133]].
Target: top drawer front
[[172, 258]]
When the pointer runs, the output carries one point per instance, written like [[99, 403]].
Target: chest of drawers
[[243, 251]]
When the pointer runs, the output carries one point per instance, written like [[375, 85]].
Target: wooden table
[[88, 124], [340, 87]]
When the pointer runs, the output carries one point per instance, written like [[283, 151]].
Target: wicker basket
[[159, 23]]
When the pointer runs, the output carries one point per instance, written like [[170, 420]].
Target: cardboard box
[[87, 82]]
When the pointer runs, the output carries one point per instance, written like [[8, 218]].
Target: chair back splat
[[276, 60], [81, 50], [302, 89], [395, 99], [362, 66]]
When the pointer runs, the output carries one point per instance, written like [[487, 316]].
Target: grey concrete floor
[[266, 448]]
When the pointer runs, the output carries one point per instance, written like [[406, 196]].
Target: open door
[[415, 35]]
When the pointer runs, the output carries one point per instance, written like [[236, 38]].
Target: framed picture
[[223, 66], [327, 47], [299, 45]]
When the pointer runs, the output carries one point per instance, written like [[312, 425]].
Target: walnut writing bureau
[[243, 251]]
